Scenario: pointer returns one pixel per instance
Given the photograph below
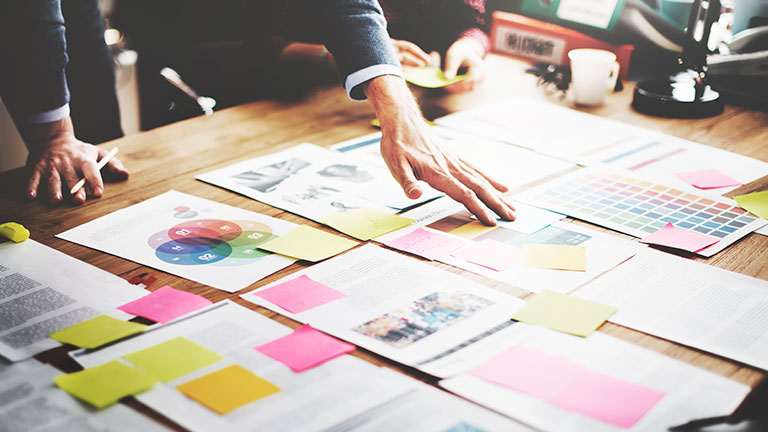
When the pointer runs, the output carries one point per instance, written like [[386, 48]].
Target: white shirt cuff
[[356, 78], [49, 116]]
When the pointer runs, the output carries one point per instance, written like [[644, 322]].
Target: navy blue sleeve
[[33, 57]]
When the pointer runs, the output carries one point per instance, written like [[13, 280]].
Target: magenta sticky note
[[605, 398], [491, 254], [305, 348], [300, 294], [679, 238], [708, 179], [428, 244], [165, 304], [529, 371]]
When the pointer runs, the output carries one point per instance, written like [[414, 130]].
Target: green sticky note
[[104, 385], [429, 77], [755, 203], [564, 313], [309, 244], [173, 359], [96, 332], [366, 223]]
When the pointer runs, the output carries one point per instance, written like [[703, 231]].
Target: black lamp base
[[685, 94]]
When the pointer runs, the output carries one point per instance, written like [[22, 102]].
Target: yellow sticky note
[[755, 203], [228, 389], [309, 244], [366, 223], [472, 230], [556, 257], [564, 313], [173, 359], [104, 385], [429, 77], [96, 332]]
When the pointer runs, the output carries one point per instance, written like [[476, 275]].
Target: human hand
[[58, 159], [410, 54], [414, 155], [465, 52]]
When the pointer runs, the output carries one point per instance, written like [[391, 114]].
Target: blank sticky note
[[489, 253], [309, 244], [228, 389], [679, 238], [300, 294], [104, 385], [97, 331], [472, 230], [529, 371], [428, 244], [755, 203], [305, 348], [605, 398], [430, 77], [555, 257], [173, 359], [366, 223], [165, 304], [564, 313], [708, 179]]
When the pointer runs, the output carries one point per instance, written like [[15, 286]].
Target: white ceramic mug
[[593, 74]]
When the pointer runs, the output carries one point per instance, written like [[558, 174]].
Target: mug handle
[[613, 76]]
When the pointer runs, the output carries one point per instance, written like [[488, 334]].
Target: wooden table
[[169, 157]]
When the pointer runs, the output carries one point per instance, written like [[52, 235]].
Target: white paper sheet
[[31, 402], [43, 291], [690, 303], [315, 399], [314, 182], [510, 165], [690, 392], [191, 237], [403, 309]]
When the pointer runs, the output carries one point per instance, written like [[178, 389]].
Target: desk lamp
[[686, 92]]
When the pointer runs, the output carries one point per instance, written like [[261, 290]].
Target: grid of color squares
[[635, 206]]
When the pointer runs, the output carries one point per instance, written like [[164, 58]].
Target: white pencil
[[103, 162]]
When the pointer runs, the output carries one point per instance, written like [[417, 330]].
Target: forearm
[[392, 102]]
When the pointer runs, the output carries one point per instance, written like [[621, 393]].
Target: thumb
[[452, 64], [407, 180]]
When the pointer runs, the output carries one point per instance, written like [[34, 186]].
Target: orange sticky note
[[228, 389], [555, 257]]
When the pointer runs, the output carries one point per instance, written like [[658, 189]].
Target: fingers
[[54, 187], [408, 59], [499, 186], [116, 170], [485, 192], [92, 179], [34, 183], [452, 64], [458, 192], [403, 173], [409, 51]]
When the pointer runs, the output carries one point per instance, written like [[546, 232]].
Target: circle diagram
[[209, 241]]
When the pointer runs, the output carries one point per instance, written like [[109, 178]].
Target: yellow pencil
[[103, 162]]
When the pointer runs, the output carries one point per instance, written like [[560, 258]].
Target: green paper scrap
[[96, 332], [173, 359], [564, 313], [430, 77], [755, 203], [104, 385]]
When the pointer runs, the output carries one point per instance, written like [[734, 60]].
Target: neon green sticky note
[[309, 244], [96, 332], [564, 313], [228, 389], [173, 359], [366, 223], [104, 385], [556, 257], [430, 77], [755, 203]]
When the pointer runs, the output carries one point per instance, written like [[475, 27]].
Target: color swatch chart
[[639, 207]]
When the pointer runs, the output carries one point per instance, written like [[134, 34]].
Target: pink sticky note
[[305, 348], [528, 371], [492, 254], [708, 179], [300, 294], [679, 238], [165, 304], [608, 399], [427, 244]]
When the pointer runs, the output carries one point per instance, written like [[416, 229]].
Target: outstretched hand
[[58, 160]]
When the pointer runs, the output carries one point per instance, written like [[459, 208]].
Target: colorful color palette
[[639, 207]]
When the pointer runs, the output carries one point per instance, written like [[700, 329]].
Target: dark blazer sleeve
[[33, 57]]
